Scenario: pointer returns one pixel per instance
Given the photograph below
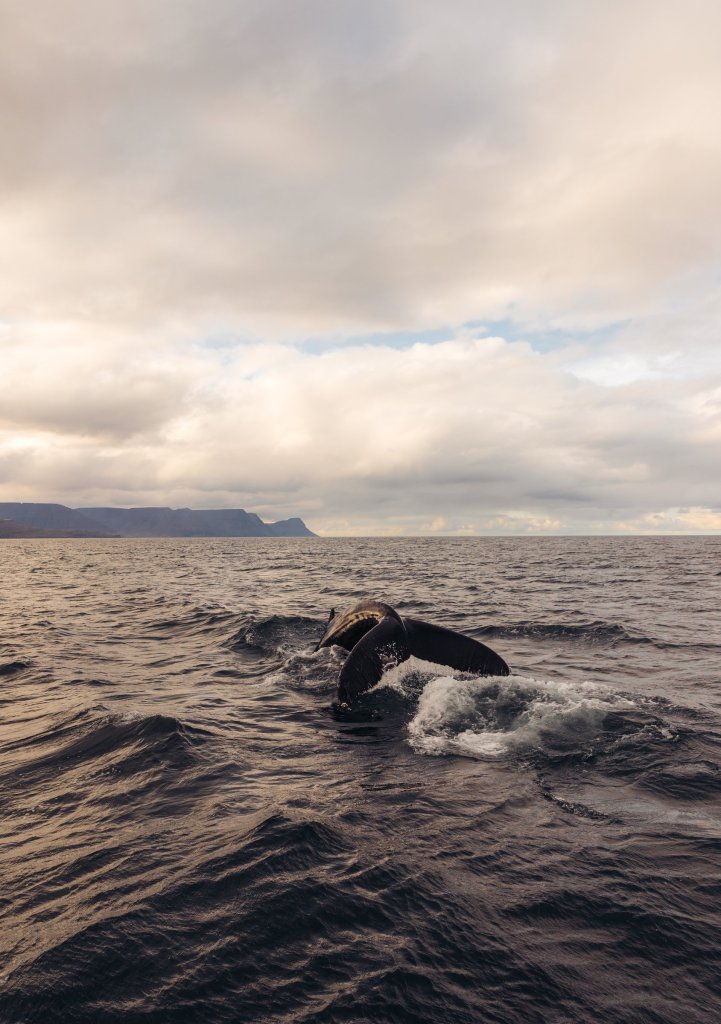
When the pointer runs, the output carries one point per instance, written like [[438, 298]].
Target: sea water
[[189, 833]]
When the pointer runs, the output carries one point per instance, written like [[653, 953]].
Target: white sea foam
[[314, 671], [489, 716]]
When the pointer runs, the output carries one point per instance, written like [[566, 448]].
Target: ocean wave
[[274, 634], [596, 631], [689, 780], [491, 716], [124, 744], [245, 632], [196, 621], [10, 668], [312, 671]]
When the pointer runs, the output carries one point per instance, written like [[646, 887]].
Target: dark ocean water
[[189, 834]]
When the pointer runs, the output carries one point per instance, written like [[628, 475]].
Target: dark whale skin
[[377, 638]]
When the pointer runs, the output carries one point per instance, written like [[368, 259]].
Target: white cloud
[[179, 171], [293, 170], [468, 435]]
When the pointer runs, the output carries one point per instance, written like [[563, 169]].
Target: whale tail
[[446, 647], [378, 639], [347, 628], [382, 647]]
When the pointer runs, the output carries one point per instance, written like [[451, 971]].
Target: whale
[[378, 638]]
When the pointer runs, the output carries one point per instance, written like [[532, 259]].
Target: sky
[[393, 266]]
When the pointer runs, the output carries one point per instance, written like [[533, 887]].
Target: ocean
[[190, 834]]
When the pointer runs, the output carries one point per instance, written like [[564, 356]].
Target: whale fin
[[446, 647], [381, 648], [347, 628]]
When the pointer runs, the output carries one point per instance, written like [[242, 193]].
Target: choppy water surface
[[188, 834]]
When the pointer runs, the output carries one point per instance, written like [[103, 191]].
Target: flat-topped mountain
[[11, 529], [148, 522]]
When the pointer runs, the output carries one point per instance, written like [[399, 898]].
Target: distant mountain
[[293, 527], [189, 522], [51, 517], [10, 529], [150, 522]]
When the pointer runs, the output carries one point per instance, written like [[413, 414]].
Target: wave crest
[[492, 716], [273, 634], [596, 632]]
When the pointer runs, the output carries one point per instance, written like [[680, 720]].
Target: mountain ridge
[[11, 529], [149, 521]]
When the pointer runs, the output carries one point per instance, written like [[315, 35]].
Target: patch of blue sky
[[219, 341], [543, 340], [548, 339], [383, 339], [225, 346]]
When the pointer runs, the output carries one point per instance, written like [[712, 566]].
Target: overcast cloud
[[391, 265]]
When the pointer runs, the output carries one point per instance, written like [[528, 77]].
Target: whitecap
[[490, 716]]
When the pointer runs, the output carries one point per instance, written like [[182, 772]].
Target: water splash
[[490, 716]]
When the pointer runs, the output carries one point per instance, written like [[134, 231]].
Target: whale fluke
[[383, 646], [378, 638], [446, 647]]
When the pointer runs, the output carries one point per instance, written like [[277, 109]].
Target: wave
[[274, 634], [120, 744], [312, 671], [690, 780], [492, 716], [597, 631], [541, 721], [10, 668], [253, 635], [594, 632], [196, 621]]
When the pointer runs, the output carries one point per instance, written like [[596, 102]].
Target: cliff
[[10, 529], [149, 522]]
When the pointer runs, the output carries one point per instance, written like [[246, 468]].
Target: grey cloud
[[276, 170], [117, 408], [304, 167], [413, 437], [59, 383]]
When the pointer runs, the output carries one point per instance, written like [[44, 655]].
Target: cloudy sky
[[395, 266]]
